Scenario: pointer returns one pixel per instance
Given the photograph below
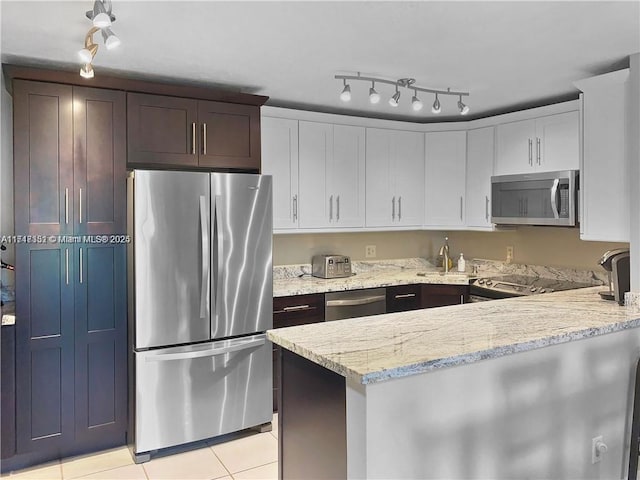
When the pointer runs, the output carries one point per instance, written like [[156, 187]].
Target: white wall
[[6, 178], [527, 415], [633, 157]]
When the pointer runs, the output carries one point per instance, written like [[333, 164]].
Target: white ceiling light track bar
[[408, 83]]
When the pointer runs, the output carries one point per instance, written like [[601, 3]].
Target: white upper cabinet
[[480, 153], [279, 137], [604, 173], [394, 178], [445, 164], [331, 175], [543, 144]]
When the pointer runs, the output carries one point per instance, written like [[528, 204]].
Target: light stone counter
[[373, 349]]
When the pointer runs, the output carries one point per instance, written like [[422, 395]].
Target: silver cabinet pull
[[461, 298], [461, 200], [393, 208], [295, 208], [338, 208], [538, 149], [399, 208], [530, 152], [80, 264], [193, 138], [80, 214], [295, 308], [406, 295], [66, 262], [486, 208], [204, 138], [330, 207], [66, 206]]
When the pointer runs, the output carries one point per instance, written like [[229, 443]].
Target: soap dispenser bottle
[[461, 264]]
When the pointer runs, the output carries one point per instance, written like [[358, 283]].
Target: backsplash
[[357, 266]]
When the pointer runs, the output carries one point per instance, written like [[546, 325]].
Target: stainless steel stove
[[508, 286]]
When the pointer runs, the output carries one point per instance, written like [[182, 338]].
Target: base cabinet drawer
[[402, 298]]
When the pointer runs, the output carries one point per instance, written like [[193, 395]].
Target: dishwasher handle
[[355, 301]]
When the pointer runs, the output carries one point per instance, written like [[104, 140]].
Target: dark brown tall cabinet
[[70, 169]]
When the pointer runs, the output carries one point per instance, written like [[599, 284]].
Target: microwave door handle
[[554, 195], [204, 289]]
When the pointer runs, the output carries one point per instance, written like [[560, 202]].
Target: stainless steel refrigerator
[[200, 301]]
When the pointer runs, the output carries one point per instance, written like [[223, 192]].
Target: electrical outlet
[[370, 251], [598, 449], [509, 254]]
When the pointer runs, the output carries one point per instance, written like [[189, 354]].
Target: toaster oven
[[330, 266]]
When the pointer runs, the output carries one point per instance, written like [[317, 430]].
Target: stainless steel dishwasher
[[354, 303]]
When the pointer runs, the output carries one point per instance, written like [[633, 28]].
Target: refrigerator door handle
[[209, 352], [204, 288], [218, 207]]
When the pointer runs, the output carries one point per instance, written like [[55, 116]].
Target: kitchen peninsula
[[516, 388]]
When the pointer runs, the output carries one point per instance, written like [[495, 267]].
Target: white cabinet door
[[604, 184], [347, 184], [279, 138], [378, 178], [557, 142], [445, 158], [317, 206], [515, 147], [407, 159], [480, 152]]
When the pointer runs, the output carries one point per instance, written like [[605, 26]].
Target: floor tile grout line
[[220, 460], [257, 466]]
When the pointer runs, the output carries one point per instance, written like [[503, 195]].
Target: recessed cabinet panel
[[515, 147], [408, 171], [46, 288], [99, 268], [379, 178], [280, 160], [100, 373], [557, 142], [43, 158], [480, 153], [347, 175], [317, 202], [46, 392]]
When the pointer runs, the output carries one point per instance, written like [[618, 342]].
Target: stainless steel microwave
[[546, 198]]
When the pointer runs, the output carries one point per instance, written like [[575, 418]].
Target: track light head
[[101, 14], [87, 53], [436, 108], [86, 71], [374, 97], [464, 109], [395, 99], [111, 41], [345, 95], [416, 104]]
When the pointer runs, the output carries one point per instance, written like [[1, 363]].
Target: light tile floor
[[249, 457]]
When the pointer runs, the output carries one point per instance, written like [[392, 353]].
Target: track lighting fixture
[[395, 99], [462, 107], [416, 103], [436, 108], [345, 96], [102, 19], [374, 97], [86, 71]]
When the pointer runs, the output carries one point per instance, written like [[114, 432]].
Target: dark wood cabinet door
[[291, 311], [161, 130], [434, 295], [43, 158], [100, 345], [99, 158], [229, 135], [401, 298], [44, 348]]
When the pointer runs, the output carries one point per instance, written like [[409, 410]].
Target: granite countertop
[[377, 348]]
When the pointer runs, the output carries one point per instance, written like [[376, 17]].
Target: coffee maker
[[617, 264]]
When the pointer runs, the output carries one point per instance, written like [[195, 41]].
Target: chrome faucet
[[444, 253]]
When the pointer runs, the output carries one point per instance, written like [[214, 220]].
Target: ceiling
[[508, 55]]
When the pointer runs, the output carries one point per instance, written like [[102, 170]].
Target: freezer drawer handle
[[356, 301], [213, 352]]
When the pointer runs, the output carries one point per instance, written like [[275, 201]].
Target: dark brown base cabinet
[[436, 295], [70, 184], [291, 311]]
